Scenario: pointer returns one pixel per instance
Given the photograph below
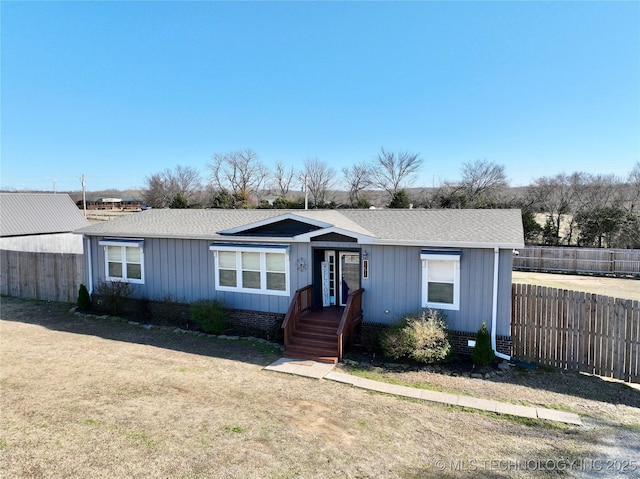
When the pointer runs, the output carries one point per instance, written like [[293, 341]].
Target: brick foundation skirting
[[251, 323], [369, 333]]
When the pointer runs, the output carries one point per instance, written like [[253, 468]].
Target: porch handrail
[[300, 303], [351, 317]]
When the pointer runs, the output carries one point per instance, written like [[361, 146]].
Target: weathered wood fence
[[46, 276], [621, 262], [576, 331]]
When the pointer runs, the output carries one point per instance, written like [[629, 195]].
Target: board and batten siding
[[183, 270], [395, 281]]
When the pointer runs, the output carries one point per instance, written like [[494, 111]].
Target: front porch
[[323, 334]]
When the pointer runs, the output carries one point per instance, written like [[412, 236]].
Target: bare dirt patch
[[615, 287], [85, 397]]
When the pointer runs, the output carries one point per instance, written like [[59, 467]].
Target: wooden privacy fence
[[576, 331], [45, 276], [621, 262]]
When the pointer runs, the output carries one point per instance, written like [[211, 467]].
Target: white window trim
[[123, 244], [426, 257], [238, 249]]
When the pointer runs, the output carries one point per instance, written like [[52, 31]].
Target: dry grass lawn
[[615, 287], [91, 398]]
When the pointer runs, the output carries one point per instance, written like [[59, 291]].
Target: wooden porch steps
[[315, 336]]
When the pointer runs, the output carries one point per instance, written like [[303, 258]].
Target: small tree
[[84, 299], [399, 199], [482, 354]]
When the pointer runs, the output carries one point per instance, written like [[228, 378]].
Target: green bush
[[84, 299], [423, 338], [482, 354], [209, 316]]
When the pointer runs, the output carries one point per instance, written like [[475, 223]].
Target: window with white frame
[[124, 260], [252, 269], [440, 280]]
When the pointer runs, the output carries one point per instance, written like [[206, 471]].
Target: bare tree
[[240, 172], [282, 178], [557, 197], [319, 179], [393, 171], [633, 180], [357, 178], [163, 188], [482, 182]]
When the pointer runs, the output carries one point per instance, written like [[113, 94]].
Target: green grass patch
[[235, 429], [143, 439]]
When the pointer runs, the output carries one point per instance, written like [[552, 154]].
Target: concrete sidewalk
[[317, 370]]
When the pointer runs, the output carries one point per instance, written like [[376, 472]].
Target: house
[[40, 223], [125, 203], [368, 266]]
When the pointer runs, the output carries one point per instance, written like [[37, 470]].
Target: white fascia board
[[361, 239], [448, 244], [275, 219]]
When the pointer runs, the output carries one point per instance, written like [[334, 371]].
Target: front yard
[[85, 397]]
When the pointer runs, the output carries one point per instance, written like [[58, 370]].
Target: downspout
[[494, 311], [89, 257]]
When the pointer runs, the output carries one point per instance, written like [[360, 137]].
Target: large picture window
[[124, 260], [440, 280], [252, 269]]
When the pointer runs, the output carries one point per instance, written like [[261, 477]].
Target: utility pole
[[84, 196], [306, 194]]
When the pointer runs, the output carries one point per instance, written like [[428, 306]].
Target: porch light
[[301, 264]]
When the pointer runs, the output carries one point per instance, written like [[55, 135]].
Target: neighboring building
[[126, 203], [40, 222], [457, 261]]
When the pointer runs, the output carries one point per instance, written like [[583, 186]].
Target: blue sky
[[120, 90]]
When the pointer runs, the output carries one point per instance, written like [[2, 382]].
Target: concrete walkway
[[317, 370]]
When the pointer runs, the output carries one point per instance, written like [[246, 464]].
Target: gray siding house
[[457, 261]]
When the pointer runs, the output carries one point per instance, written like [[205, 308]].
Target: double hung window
[[252, 269], [124, 260], [440, 280]]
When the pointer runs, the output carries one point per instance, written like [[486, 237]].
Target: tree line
[[565, 209]]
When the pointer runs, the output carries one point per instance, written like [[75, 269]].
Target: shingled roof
[[23, 214], [449, 227]]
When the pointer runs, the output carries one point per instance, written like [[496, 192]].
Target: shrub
[[114, 295], [209, 316], [84, 299], [423, 338], [482, 354]]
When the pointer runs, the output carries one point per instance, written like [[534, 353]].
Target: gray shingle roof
[[418, 227], [24, 214]]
